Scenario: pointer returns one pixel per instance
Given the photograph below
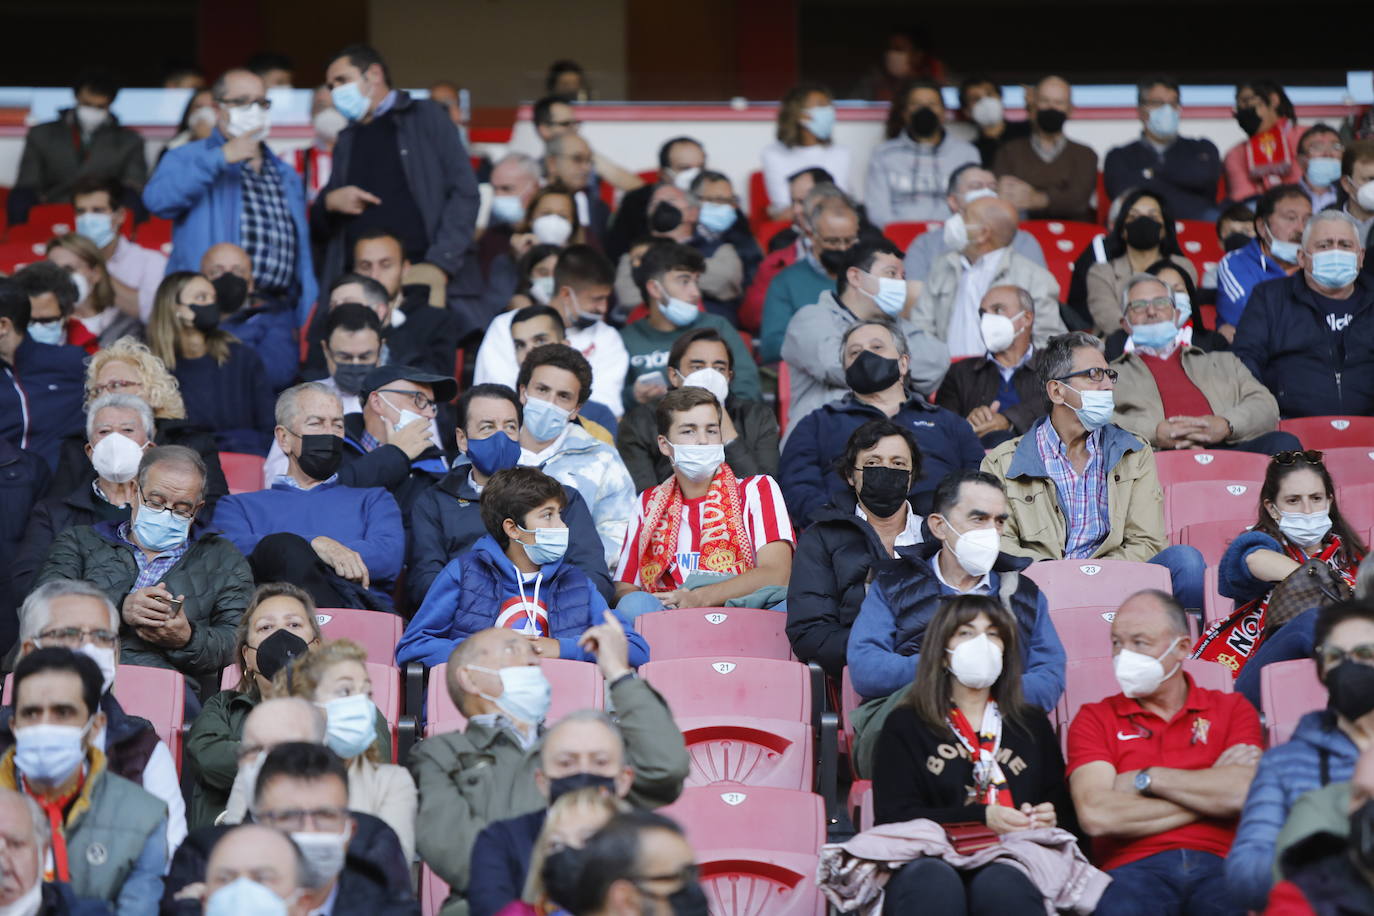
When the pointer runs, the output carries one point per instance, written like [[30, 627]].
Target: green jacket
[[212, 574], [1324, 810], [469, 779], [754, 450]]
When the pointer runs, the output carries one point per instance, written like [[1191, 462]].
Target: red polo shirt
[[1119, 731]]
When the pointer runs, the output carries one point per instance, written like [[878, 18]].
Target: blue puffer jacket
[[1233, 575], [1285, 773], [478, 589]]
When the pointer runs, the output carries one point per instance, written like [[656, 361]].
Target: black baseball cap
[[445, 387]]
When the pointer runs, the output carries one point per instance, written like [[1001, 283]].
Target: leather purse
[[969, 837], [1313, 584]]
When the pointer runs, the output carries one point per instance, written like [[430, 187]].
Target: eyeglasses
[[324, 820], [263, 104], [417, 397], [116, 385], [76, 636], [1142, 307], [1094, 374], [181, 511], [1293, 456], [729, 200], [1331, 656]]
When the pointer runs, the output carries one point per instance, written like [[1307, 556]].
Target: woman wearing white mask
[[533, 276], [806, 124], [197, 120], [334, 677], [965, 748], [1298, 521], [550, 219], [96, 321]]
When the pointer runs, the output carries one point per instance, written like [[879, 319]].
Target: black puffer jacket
[[835, 560]]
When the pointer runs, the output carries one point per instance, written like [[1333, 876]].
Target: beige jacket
[[1232, 391], [385, 791], [936, 304], [1036, 526], [1107, 284]]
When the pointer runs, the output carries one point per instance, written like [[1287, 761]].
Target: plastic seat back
[[711, 631], [1092, 583], [242, 472], [1194, 501], [1062, 241], [1288, 691], [1091, 680], [376, 631], [154, 233], [1181, 465], [903, 234], [45, 221], [576, 685], [1211, 538], [1350, 465], [1198, 239], [729, 749], [1086, 632], [721, 685], [758, 198], [1331, 431], [750, 817], [433, 891], [1357, 504], [1215, 606], [748, 882]]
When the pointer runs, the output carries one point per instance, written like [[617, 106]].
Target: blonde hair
[[247, 682], [164, 330], [301, 677], [87, 251], [160, 388], [592, 799]]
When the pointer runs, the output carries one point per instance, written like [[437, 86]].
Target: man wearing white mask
[[230, 187], [1173, 395], [1080, 487], [486, 771], [252, 869], [704, 536], [1160, 771], [513, 182], [78, 616], [969, 512], [680, 160], [136, 271], [981, 256], [1181, 170], [109, 836], [749, 428], [1357, 181]]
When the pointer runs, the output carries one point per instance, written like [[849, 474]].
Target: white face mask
[[90, 117], [999, 331], [324, 855], [976, 663], [956, 233], [1140, 675], [28, 905], [328, 124], [249, 120], [525, 692], [105, 659], [713, 380], [1305, 528], [698, 462], [541, 289], [976, 550], [552, 229], [116, 457], [83, 286], [978, 194], [1364, 196], [684, 178], [987, 111]]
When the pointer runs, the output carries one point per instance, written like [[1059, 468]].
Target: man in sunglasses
[[1080, 487]]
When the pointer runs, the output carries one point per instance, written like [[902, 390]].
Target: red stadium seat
[[759, 818], [1092, 583], [1288, 691], [1357, 504], [243, 472], [154, 233], [715, 631], [1086, 632], [576, 685], [45, 221], [764, 231], [1179, 465], [1104, 203], [1211, 538], [376, 631], [1062, 242], [861, 803], [608, 192], [1198, 239], [1209, 316], [1194, 501], [758, 199], [903, 234], [784, 395], [649, 176], [433, 891], [1350, 465], [721, 684], [730, 749], [1214, 606], [1331, 432], [14, 255], [747, 882], [1090, 680]]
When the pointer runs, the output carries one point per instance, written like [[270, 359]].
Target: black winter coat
[[74, 468], [50, 518]]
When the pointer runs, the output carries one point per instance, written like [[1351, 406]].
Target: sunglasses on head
[[1310, 455]]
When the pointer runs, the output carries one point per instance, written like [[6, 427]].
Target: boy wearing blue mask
[[514, 578]]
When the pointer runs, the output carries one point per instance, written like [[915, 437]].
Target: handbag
[[1313, 584], [967, 837]]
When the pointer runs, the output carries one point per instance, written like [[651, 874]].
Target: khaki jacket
[[1036, 527], [936, 304], [1233, 393]]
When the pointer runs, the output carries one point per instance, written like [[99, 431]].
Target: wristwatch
[[1142, 783]]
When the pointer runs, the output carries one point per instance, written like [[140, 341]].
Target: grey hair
[[288, 402], [36, 612], [584, 715], [1136, 280], [1178, 618], [525, 162], [122, 402], [1056, 360], [554, 147], [171, 454], [1332, 216], [1023, 296], [899, 340], [823, 197]]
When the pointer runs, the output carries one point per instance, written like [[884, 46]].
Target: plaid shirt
[[267, 230], [151, 572], [1082, 497]]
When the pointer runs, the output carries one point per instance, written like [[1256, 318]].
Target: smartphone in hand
[[174, 606]]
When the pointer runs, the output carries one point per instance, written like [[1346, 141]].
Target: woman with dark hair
[[1186, 301], [806, 123], [1298, 521], [962, 748], [197, 120], [1142, 234], [1268, 157], [871, 522]]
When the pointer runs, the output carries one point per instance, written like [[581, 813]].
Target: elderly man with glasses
[[1081, 487], [1174, 395]]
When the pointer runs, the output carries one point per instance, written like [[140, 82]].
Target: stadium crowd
[[513, 437]]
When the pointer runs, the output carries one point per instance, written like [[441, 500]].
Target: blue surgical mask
[[1163, 121], [1097, 408], [160, 530], [1184, 303], [494, 453], [820, 121], [717, 217], [1158, 335], [1323, 172], [349, 100], [1287, 252], [679, 311], [506, 208], [98, 227], [1335, 268], [549, 544], [891, 296], [52, 333], [545, 420], [351, 725]]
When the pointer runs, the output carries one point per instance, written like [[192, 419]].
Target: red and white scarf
[[725, 546], [989, 784]]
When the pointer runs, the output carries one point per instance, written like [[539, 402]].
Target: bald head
[[283, 719], [226, 257], [998, 216], [493, 648]]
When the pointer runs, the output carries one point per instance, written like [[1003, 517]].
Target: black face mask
[[565, 784], [871, 373], [1361, 841], [276, 650], [1350, 689], [688, 900], [1143, 233], [834, 260], [924, 122], [1249, 121], [665, 217], [1050, 120], [1235, 240], [559, 873], [231, 291], [321, 454], [884, 490], [205, 317], [349, 376]]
